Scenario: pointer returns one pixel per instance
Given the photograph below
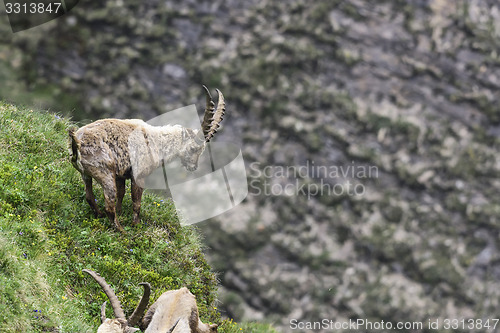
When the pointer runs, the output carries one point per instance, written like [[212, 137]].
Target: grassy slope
[[48, 235]]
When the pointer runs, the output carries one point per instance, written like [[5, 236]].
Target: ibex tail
[[75, 149]]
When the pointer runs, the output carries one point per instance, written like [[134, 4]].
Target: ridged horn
[[209, 113], [141, 307], [113, 300], [212, 119]]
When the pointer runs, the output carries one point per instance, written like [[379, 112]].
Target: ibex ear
[[103, 312], [185, 134], [213, 328], [200, 138]]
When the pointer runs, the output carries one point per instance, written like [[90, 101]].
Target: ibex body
[[175, 311], [175, 307], [113, 150]]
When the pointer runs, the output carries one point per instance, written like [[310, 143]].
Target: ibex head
[[195, 140], [120, 324]]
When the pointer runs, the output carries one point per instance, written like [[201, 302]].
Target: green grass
[[48, 235]]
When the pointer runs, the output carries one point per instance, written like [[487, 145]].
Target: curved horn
[[211, 120], [209, 113], [113, 300], [141, 307]]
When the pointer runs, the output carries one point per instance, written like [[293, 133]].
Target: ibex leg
[[136, 200], [89, 196]]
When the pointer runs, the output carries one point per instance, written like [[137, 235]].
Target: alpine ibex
[[113, 150], [175, 311]]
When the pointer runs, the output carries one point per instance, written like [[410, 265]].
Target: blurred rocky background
[[408, 88]]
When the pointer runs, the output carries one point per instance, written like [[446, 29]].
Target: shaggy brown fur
[[113, 150]]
